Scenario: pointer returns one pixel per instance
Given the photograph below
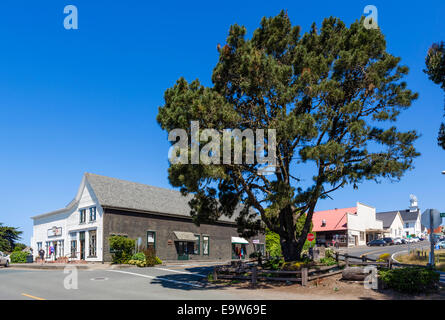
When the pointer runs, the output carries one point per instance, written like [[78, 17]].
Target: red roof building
[[347, 227]]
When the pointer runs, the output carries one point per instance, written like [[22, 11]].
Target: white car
[[398, 241], [416, 239], [4, 259]]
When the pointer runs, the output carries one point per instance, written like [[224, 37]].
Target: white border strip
[[151, 277], [397, 253], [183, 272]]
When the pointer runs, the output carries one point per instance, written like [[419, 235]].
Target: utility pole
[[431, 262]]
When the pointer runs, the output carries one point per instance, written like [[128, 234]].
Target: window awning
[[184, 236], [239, 240]]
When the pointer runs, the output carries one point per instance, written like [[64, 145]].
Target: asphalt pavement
[[375, 252], [155, 283]]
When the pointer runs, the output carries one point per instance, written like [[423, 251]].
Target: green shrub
[[329, 253], [140, 256], [328, 261], [122, 248], [410, 279], [18, 257], [274, 263], [19, 246], [273, 246]]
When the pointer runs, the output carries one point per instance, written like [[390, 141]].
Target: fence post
[[336, 257], [254, 275], [364, 258], [347, 261], [304, 276], [390, 263], [215, 273]]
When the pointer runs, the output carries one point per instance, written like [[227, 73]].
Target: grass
[[421, 257]]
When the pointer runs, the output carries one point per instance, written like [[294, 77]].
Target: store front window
[[92, 243], [239, 251], [205, 245], [73, 248], [197, 244]]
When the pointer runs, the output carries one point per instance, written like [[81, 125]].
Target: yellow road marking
[[32, 297]]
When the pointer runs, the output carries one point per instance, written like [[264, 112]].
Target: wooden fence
[[255, 274], [303, 276]]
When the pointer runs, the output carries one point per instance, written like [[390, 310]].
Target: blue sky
[[75, 101]]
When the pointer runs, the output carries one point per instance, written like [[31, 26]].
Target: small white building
[[392, 223], [410, 219], [74, 231]]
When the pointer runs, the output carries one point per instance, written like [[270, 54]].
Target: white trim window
[[83, 216], [92, 214]]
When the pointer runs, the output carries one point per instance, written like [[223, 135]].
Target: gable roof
[[387, 218], [406, 214], [122, 194], [335, 219]]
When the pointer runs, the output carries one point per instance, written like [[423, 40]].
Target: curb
[[62, 267], [393, 256]]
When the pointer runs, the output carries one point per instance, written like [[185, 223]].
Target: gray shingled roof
[[387, 218], [405, 213], [116, 193], [409, 215]]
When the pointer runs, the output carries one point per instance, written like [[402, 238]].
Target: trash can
[[29, 259]]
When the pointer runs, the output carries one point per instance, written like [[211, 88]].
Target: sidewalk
[[61, 266]]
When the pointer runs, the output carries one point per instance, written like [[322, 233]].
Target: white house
[[392, 223], [74, 231], [410, 218]]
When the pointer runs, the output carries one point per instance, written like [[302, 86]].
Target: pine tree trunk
[[289, 248], [289, 244]]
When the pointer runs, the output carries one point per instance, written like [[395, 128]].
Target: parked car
[[399, 241], [376, 242], [389, 241], [4, 259], [416, 239], [441, 244]]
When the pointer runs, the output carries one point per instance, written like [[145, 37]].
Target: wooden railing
[[255, 274]]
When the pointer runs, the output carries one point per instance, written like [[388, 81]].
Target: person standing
[[42, 255], [51, 252]]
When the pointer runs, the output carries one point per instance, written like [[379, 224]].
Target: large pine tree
[[332, 95], [435, 69]]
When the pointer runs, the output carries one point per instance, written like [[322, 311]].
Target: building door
[[82, 244], [181, 248]]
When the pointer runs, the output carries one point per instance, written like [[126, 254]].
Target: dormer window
[[83, 216], [323, 223], [93, 214]]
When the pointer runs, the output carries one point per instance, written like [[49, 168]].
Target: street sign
[[310, 237], [442, 214], [431, 219]]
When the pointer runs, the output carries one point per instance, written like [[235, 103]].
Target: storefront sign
[[256, 241], [55, 232]]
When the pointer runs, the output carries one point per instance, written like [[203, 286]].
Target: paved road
[[175, 282], [375, 252]]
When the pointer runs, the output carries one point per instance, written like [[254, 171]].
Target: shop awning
[[184, 236], [239, 240], [375, 230]]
